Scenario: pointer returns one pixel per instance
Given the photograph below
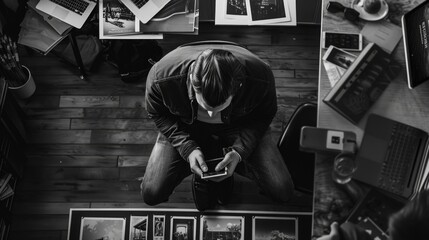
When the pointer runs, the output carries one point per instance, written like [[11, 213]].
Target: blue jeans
[[166, 168]]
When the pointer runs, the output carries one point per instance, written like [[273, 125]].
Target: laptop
[[393, 156], [415, 30], [73, 12], [145, 9]]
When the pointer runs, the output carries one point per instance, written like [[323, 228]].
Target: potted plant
[[18, 76]]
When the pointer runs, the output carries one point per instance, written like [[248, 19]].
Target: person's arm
[[253, 128], [167, 123], [333, 235], [346, 231]]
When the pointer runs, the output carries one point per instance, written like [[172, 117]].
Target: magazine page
[[266, 12], [336, 62], [236, 11], [270, 13], [231, 12], [117, 22], [37, 33], [178, 16]]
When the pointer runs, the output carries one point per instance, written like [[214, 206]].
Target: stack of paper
[[256, 12], [118, 22]]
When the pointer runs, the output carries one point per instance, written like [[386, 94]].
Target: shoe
[[224, 190], [202, 191]]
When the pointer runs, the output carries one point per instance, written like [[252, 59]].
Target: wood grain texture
[[90, 140]]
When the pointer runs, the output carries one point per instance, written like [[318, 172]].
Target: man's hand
[[230, 161], [196, 162], [333, 235]]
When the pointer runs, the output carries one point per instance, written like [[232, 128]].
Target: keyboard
[[77, 6], [139, 3], [400, 158]]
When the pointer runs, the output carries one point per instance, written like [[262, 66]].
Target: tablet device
[[415, 30]]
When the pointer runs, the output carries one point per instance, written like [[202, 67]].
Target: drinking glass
[[344, 167]]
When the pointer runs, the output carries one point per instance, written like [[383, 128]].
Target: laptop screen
[[415, 27]]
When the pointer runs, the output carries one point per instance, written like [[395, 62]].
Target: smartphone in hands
[[211, 165]]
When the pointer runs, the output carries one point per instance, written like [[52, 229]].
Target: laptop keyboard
[[399, 158], [139, 3], [77, 6]]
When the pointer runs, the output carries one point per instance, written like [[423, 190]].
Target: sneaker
[[224, 190], [202, 191]]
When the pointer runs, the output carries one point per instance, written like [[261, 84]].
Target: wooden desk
[[331, 202]]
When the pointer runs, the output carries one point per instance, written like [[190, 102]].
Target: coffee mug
[[372, 6]]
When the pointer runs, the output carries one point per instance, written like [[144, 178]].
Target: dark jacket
[[171, 103]]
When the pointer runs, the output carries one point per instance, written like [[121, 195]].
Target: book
[[362, 83], [116, 21]]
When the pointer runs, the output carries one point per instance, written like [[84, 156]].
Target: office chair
[[299, 163]]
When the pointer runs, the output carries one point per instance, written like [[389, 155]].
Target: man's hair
[[217, 74], [412, 221]]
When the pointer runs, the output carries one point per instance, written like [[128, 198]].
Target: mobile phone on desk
[[315, 139], [343, 40], [211, 165]]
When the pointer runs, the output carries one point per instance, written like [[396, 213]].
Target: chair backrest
[[299, 163], [212, 42]]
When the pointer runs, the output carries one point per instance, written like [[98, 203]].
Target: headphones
[[349, 13]]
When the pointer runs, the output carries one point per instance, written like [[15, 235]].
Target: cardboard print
[[138, 228], [267, 228], [102, 228], [158, 227], [222, 227], [183, 228]]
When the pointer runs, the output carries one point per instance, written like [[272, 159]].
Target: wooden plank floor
[[89, 141]]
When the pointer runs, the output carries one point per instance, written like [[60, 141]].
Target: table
[[331, 201]]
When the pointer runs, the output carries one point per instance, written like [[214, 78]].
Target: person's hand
[[333, 235], [230, 161], [196, 162]]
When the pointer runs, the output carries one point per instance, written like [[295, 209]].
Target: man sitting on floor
[[205, 98]]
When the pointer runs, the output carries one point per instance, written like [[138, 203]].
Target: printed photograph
[[116, 19], [176, 16], [236, 7], [222, 227], [183, 228], [339, 57], [93, 228], [158, 227], [278, 228], [268, 9], [138, 228]]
